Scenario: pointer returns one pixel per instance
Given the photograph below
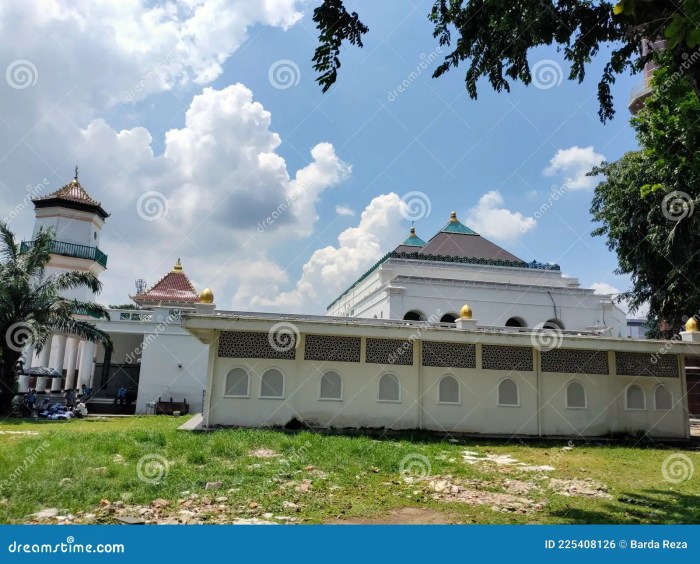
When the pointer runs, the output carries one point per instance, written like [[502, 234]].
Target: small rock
[[233, 490], [105, 503], [185, 493], [160, 503], [206, 501], [252, 505], [118, 504], [212, 486], [267, 515], [375, 470], [309, 467], [290, 505], [221, 499], [89, 517], [46, 513]]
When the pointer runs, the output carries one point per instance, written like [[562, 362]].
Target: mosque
[[533, 353]]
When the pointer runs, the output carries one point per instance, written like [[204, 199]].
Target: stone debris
[[471, 457], [18, 433], [212, 486], [47, 513], [453, 490], [576, 488]]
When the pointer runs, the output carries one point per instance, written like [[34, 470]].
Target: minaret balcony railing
[[70, 250]]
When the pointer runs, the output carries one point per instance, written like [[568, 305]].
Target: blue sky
[[431, 138]]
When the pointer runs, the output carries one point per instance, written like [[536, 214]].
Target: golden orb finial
[[691, 324], [207, 296], [465, 312], [453, 217], [413, 231], [178, 266]]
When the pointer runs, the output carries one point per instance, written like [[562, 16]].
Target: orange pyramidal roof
[[72, 195], [174, 288]]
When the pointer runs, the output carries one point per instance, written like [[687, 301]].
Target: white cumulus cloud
[[490, 219], [572, 164]]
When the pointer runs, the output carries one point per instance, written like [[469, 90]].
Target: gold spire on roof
[[413, 231], [206, 297], [75, 178], [453, 217], [178, 266]]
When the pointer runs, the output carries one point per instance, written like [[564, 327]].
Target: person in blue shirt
[[121, 396], [31, 399]]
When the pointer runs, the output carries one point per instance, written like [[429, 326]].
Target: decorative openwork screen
[[457, 355], [646, 364], [389, 351], [573, 361], [331, 348], [249, 344], [494, 357]]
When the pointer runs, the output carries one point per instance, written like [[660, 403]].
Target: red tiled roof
[[175, 286], [72, 193]]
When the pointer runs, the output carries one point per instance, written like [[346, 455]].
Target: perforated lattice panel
[[494, 357], [331, 348], [571, 361], [646, 364], [249, 344], [457, 355], [389, 351]]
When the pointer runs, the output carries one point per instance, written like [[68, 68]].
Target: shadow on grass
[[649, 507]]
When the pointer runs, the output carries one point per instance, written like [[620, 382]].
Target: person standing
[[70, 398]]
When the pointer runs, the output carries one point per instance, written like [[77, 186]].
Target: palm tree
[[32, 306]]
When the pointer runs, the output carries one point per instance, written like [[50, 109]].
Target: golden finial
[[178, 266], [691, 324], [206, 297], [75, 178], [465, 312], [413, 231], [453, 217]]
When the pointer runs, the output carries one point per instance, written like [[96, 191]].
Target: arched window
[[663, 399], [508, 393], [634, 397], [448, 391], [237, 383], [516, 322], [575, 396], [448, 318], [389, 388], [331, 386], [272, 384], [553, 324], [414, 315]]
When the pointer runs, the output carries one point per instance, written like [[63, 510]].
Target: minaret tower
[[77, 220]]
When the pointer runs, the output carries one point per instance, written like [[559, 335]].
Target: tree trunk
[[8, 378]]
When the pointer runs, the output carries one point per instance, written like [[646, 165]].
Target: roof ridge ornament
[[453, 217], [178, 266]]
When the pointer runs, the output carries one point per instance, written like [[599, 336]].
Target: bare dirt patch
[[456, 490], [579, 488], [263, 453]]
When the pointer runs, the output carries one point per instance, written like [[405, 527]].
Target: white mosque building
[[532, 354]]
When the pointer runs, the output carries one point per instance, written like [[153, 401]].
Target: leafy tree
[[649, 204], [32, 307], [493, 38]]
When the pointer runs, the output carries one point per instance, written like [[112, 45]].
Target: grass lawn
[[90, 471]]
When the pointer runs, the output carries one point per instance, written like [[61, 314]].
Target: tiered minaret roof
[[72, 196]]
